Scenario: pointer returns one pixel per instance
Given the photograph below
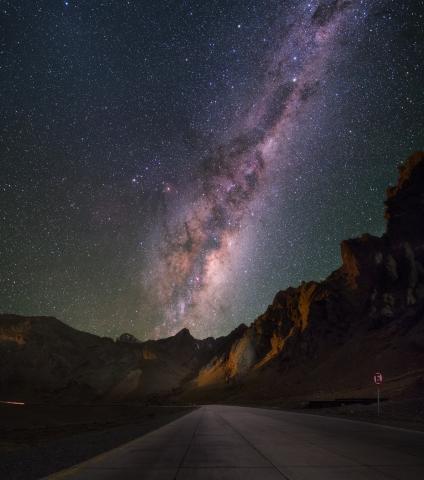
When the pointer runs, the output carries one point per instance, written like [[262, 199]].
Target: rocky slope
[[319, 340], [327, 339], [41, 357]]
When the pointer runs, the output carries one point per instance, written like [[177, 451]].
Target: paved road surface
[[220, 442]]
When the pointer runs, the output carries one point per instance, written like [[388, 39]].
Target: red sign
[[378, 378]]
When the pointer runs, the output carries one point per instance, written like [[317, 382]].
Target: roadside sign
[[378, 378]]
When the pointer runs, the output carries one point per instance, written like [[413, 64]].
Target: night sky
[[176, 163]]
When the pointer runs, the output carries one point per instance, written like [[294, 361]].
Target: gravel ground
[[36, 461], [407, 414]]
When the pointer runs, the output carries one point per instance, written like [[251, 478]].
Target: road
[[223, 442]]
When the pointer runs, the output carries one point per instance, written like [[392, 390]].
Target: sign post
[[378, 380]]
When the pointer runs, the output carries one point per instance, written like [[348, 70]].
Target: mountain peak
[[184, 332]]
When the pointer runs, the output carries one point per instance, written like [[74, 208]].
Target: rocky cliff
[[318, 340], [326, 339]]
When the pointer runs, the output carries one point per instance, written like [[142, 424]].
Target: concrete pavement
[[222, 442]]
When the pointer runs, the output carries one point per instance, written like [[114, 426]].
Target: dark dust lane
[[222, 442]]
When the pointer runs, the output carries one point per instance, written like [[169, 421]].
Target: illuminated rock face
[[368, 312], [319, 339]]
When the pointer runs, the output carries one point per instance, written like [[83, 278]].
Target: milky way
[[200, 246], [169, 164]]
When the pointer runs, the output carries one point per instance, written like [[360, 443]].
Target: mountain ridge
[[317, 340]]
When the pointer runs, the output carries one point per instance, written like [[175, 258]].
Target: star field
[[169, 164]]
